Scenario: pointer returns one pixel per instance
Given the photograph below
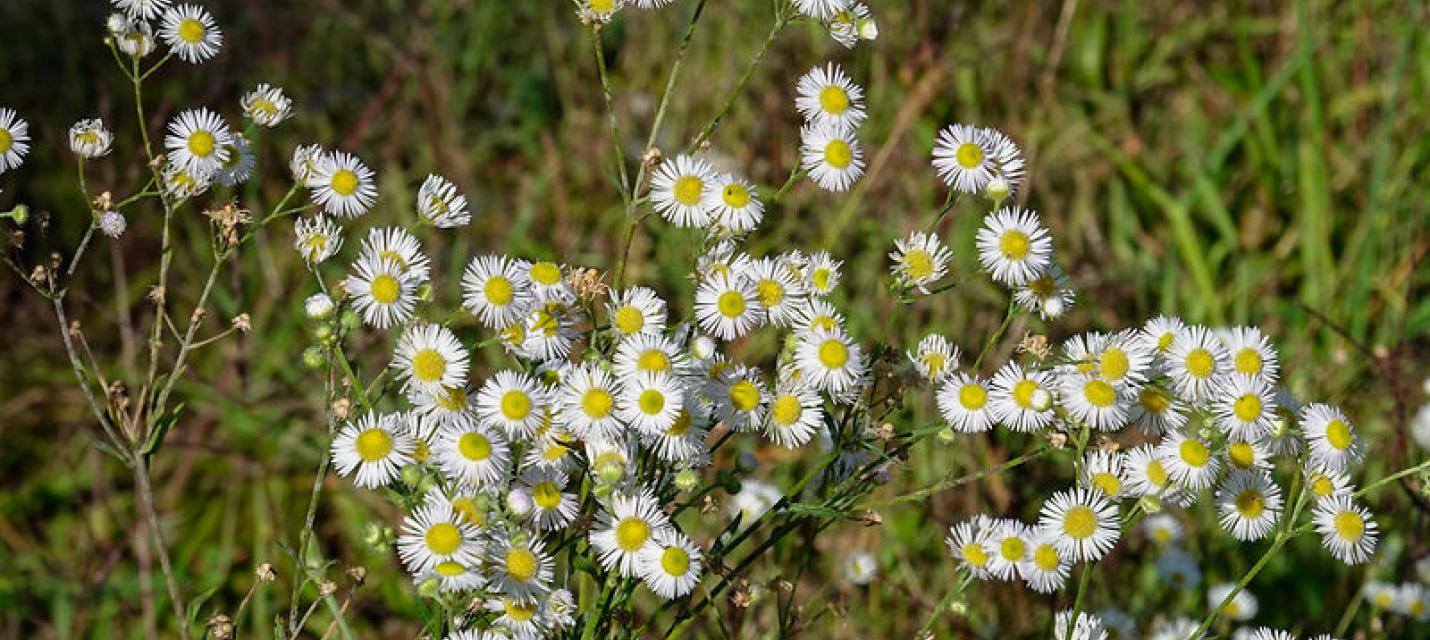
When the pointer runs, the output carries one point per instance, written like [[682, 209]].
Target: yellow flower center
[[653, 360], [838, 154], [201, 143], [1099, 393], [969, 155], [520, 563], [1014, 244], [373, 445], [1114, 363], [6, 140], [191, 31], [1247, 408], [444, 538], [474, 446], [1156, 474], [498, 291], [1012, 549], [744, 395], [631, 534], [975, 554], [682, 424], [1322, 485], [730, 304], [1046, 557], [675, 561], [736, 196], [1349, 525], [1154, 401], [1200, 363], [833, 99], [972, 396], [1080, 522], [652, 401], [688, 190], [1241, 454], [786, 410], [821, 279], [546, 273], [385, 289], [935, 363], [833, 354], [428, 365], [1338, 434], [344, 182], [1107, 483], [517, 611], [918, 264], [452, 398], [450, 569], [546, 495], [515, 405], [770, 292], [1194, 453], [467, 512], [629, 320], [1164, 342], [597, 403], [1250, 503], [1248, 361]]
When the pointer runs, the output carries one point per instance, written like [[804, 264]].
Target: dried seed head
[[358, 574], [265, 572], [220, 627], [242, 323], [340, 408], [327, 588]]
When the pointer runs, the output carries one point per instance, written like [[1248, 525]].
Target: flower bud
[[428, 588], [998, 189], [20, 214], [112, 224], [946, 435], [314, 358], [686, 480], [868, 28], [702, 347], [1042, 400], [412, 475], [318, 306], [350, 321], [610, 471], [518, 501], [1150, 504], [323, 333]]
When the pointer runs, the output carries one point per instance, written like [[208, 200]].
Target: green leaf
[[160, 429]]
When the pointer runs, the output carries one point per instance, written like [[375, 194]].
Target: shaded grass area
[[1248, 162]]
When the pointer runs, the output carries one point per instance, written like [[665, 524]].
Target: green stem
[[1007, 319], [1241, 584], [1392, 478], [782, 18]]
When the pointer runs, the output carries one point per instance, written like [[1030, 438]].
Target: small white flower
[[373, 448], [860, 568], [400, 246], [1015, 393], [1346, 529], [429, 357], [383, 293], [1083, 524], [434, 533], [826, 96], [629, 526], [496, 290], [473, 454], [1249, 504], [239, 165], [198, 141], [970, 544], [343, 185], [318, 306], [316, 238], [1242, 607], [794, 415], [678, 189], [89, 139], [142, 9], [822, 9], [191, 33], [727, 306], [1014, 246], [671, 565], [1189, 461], [920, 260], [732, 204], [963, 400], [1330, 438], [635, 311], [267, 105], [439, 203], [831, 155], [935, 357]]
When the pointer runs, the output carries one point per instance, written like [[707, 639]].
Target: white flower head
[[679, 187], [317, 238], [439, 203], [1014, 246], [343, 185], [198, 141], [831, 155], [89, 139], [826, 96], [267, 105], [191, 33]]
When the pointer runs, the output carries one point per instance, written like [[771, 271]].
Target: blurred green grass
[[1236, 162]]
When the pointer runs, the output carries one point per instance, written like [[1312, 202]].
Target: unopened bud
[[428, 588], [1150, 504], [868, 29], [686, 480], [946, 435], [318, 306], [518, 501], [313, 357], [1042, 400], [998, 189]]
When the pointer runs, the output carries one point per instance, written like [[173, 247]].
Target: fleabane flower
[[795, 413], [198, 141], [513, 402], [822, 9], [586, 404], [1189, 461], [520, 568], [473, 454], [920, 260], [1014, 246], [317, 238], [934, 357], [1251, 354], [1239, 607], [1330, 438], [829, 360], [732, 204], [191, 33], [1083, 524], [831, 155], [1249, 504], [1103, 472], [142, 9], [967, 158], [598, 10], [439, 203], [383, 292], [1194, 361], [1346, 529], [963, 401], [651, 402], [496, 291], [1050, 294], [1244, 406], [629, 526], [1095, 401], [826, 96], [400, 246], [89, 139], [636, 311], [372, 449], [822, 273], [970, 544], [429, 358], [678, 189], [1010, 549], [1046, 569], [727, 306], [239, 166], [137, 39], [435, 533], [1022, 400], [671, 565], [267, 105], [343, 185]]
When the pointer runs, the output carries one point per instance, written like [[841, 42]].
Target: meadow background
[[1231, 162]]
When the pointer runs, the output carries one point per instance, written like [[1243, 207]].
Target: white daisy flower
[[1285, 439], [1242, 607], [1022, 400], [1330, 438], [1014, 246], [1413, 600], [181, 183], [650, 402], [343, 185], [520, 570], [496, 291], [822, 9], [671, 565], [1163, 528], [637, 310], [649, 353], [831, 155], [551, 331], [829, 360], [683, 442], [732, 204], [1157, 412], [89, 139], [1147, 476], [1346, 529], [513, 402], [850, 26], [238, 167], [1249, 504], [474, 454], [1244, 406], [1103, 472], [826, 96], [587, 404], [373, 448], [549, 452], [920, 260], [547, 281], [1094, 401], [1049, 294], [142, 9], [961, 156], [455, 577], [970, 544], [678, 188], [305, 163], [727, 306], [1247, 455], [628, 526], [552, 508], [963, 400], [795, 413], [198, 141], [1379, 594], [1324, 483], [780, 291], [396, 244], [267, 105], [137, 39], [598, 11], [429, 357], [1194, 361], [1157, 336], [819, 314], [434, 533], [439, 203], [1009, 543], [1087, 626], [316, 238], [822, 273], [191, 33], [1046, 569], [1252, 354], [1082, 523], [935, 357], [383, 293], [740, 397], [1189, 461]]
